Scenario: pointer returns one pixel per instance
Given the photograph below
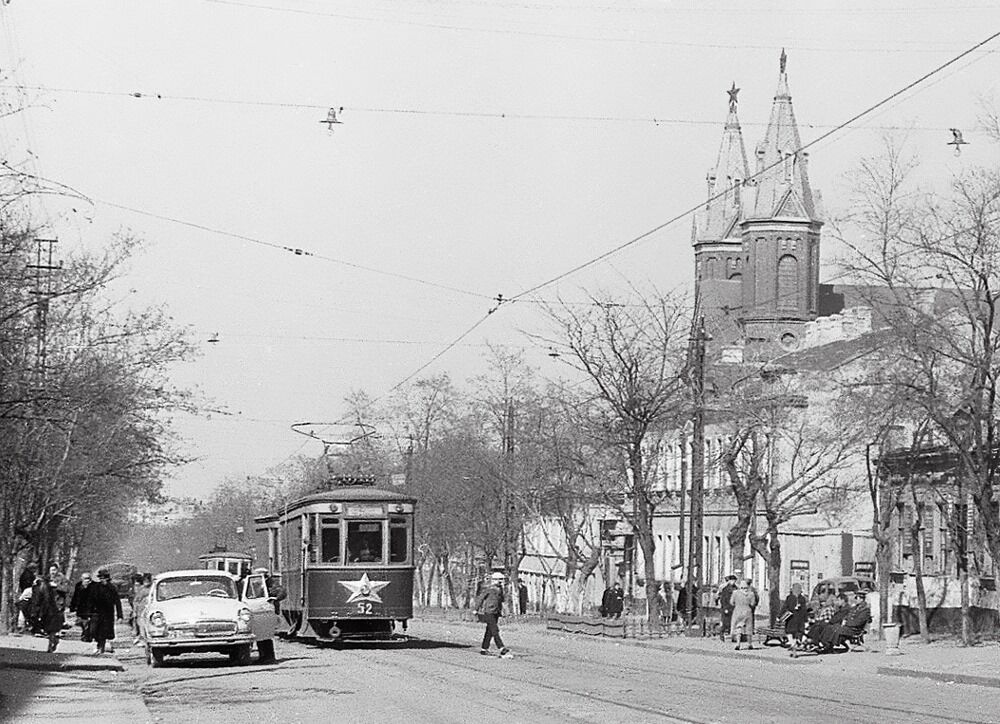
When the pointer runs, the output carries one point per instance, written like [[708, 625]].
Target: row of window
[[361, 541], [333, 540]]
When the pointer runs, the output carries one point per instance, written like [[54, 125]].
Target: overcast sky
[[486, 147]]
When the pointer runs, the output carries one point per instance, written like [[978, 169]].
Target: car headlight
[[243, 619], [157, 624]]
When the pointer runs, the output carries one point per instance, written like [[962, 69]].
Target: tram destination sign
[[360, 511]]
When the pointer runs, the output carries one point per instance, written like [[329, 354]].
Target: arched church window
[[788, 277]]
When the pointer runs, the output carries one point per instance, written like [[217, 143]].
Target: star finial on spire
[[784, 59], [733, 92]]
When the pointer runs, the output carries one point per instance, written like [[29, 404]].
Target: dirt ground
[[440, 676]]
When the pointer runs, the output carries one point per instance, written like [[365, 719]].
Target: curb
[[64, 666], [949, 678], [692, 650]]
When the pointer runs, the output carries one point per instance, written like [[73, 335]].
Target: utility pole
[[44, 268], [694, 582]]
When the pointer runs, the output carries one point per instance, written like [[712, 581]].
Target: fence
[[628, 627]]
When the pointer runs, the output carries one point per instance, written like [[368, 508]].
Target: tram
[[345, 556], [235, 562]]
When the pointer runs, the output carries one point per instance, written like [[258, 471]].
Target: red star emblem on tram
[[364, 589]]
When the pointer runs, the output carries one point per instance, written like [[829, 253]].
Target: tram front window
[[330, 540], [364, 541]]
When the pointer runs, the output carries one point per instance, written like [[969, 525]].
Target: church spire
[[782, 183], [718, 219]]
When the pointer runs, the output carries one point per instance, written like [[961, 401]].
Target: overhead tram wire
[[294, 250], [446, 113], [823, 136], [560, 36]]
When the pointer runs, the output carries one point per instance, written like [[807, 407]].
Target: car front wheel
[[240, 655], [154, 657]]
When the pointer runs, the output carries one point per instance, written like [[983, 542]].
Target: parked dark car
[[842, 584]]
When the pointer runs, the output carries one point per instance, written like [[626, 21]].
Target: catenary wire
[[294, 250], [450, 113], [557, 36]]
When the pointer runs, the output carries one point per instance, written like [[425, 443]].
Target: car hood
[[196, 608]]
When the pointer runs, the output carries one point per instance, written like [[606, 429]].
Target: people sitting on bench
[[848, 622]]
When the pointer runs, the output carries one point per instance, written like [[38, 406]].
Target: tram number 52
[[364, 607]]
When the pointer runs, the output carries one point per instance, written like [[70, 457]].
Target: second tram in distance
[[345, 556]]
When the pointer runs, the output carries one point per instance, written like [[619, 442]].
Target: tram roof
[[350, 493]]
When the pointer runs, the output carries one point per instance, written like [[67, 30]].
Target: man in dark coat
[[613, 601], [796, 609], [45, 612], [683, 605], [489, 608], [726, 606], [82, 604], [107, 606]]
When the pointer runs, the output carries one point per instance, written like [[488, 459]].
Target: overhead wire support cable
[[823, 136], [441, 112], [556, 36], [294, 250]]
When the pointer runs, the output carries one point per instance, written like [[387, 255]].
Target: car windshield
[[195, 586]]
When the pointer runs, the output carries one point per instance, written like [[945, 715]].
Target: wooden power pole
[[695, 552]]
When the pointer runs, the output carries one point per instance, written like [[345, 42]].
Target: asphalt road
[[441, 677]]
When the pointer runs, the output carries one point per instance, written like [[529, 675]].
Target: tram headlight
[[157, 624], [243, 619]]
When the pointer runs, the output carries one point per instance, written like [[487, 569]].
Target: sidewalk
[[71, 684], [943, 660]]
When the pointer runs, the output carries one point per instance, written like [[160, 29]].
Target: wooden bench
[[773, 634]]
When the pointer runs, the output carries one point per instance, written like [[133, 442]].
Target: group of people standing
[[45, 601]]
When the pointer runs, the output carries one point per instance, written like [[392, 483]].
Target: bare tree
[[937, 262], [632, 356]]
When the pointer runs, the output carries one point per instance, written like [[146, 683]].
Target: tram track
[[738, 687], [420, 670]]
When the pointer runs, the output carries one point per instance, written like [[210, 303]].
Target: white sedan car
[[206, 610]]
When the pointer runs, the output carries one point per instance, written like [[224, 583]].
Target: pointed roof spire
[[782, 91], [782, 188], [719, 217]]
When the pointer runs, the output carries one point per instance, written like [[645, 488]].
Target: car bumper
[[199, 642]]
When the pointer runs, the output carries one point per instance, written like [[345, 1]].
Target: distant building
[[167, 511]]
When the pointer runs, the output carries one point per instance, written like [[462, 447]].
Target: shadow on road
[[410, 643]]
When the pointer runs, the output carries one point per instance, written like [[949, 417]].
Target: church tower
[[779, 230], [715, 234]]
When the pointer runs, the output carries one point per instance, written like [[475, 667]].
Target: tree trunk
[[916, 545], [446, 568], [576, 581], [7, 586], [768, 547], [960, 536], [429, 584], [737, 537], [774, 573], [644, 535]]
